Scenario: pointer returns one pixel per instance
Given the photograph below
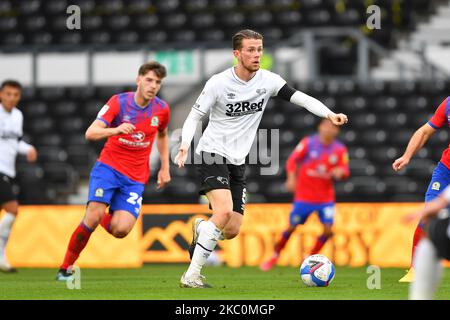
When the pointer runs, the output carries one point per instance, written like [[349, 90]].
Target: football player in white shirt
[[236, 99], [11, 121], [431, 249]]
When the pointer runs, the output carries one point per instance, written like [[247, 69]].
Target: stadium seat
[[167, 5], [34, 23], [82, 156], [288, 18], [12, 39], [39, 125], [361, 167], [98, 37], [64, 109], [48, 140], [33, 189], [55, 6], [61, 176], [73, 124], [51, 154], [29, 7], [93, 22], [34, 109]]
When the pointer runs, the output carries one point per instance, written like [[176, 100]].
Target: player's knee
[[119, 231], [93, 217], [224, 213], [231, 233]]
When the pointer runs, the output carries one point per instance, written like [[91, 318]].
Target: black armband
[[286, 92]]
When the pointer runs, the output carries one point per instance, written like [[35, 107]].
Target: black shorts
[[223, 175], [8, 189], [439, 233]]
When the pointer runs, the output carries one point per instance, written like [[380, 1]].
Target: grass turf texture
[[161, 282]]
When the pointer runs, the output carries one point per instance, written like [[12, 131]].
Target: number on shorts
[[328, 212], [134, 198]]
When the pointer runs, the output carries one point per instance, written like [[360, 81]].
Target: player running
[[432, 248], [236, 99], [441, 174], [11, 144], [130, 121], [312, 167]]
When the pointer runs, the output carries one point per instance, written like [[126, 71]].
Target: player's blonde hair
[[244, 34]]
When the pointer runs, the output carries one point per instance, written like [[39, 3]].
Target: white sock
[[200, 227], [206, 242], [5, 229], [428, 271]]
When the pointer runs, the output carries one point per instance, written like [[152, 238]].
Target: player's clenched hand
[[125, 128], [163, 178], [32, 155], [338, 119], [400, 163]]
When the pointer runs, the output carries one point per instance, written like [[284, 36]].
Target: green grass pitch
[[161, 282]]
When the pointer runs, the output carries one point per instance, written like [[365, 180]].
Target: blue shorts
[[109, 186], [439, 180], [302, 210]]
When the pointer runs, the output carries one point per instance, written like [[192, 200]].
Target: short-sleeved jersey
[[312, 162], [236, 108], [441, 117], [129, 153]]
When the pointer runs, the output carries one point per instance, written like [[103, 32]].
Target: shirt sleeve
[[165, 119], [109, 111], [277, 83], [207, 98], [439, 117], [23, 147], [297, 155]]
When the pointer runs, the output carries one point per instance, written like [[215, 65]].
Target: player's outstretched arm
[[162, 143], [311, 104], [98, 130], [417, 141]]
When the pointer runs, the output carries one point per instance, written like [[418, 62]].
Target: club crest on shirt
[[155, 121], [126, 118], [261, 91], [436, 186], [314, 154], [99, 193]]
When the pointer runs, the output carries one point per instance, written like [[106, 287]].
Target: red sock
[[106, 222], [418, 234], [321, 240], [282, 243], [77, 243]]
